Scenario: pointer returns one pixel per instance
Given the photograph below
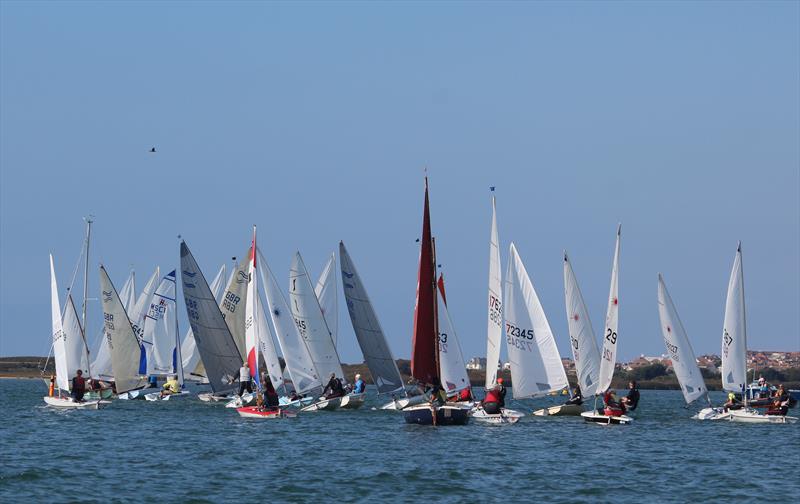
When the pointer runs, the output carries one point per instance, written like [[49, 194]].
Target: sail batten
[[367, 328]]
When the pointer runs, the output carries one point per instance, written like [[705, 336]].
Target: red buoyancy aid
[[492, 396], [465, 395]]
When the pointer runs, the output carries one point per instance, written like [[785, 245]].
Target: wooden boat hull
[[600, 418], [255, 412], [69, 403], [156, 396], [445, 415], [353, 401], [505, 417], [324, 405], [560, 410]]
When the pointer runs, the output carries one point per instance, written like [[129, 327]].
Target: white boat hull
[[286, 403], [353, 401], [254, 412], [212, 397], [132, 394], [243, 400], [560, 410], [599, 418], [156, 396], [749, 416], [69, 403], [324, 405], [505, 417], [712, 414], [404, 402]]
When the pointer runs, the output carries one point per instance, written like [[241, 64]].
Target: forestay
[[453, 370], [609, 356], [678, 347], [369, 333], [325, 289], [298, 360], [536, 367], [311, 323], [192, 363], [213, 338], [734, 331], [160, 328], [122, 342], [495, 319], [581, 335]]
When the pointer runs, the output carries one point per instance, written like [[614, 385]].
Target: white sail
[[494, 330], [128, 293], [452, 367], [325, 289], [217, 349], [608, 358], [311, 323], [267, 346], [536, 367], [680, 350], [734, 331], [369, 334], [76, 349], [581, 335], [192, 364], [251, 313], [233, 305], [63, 375], [160, 329], [122, 342], [295, 352]]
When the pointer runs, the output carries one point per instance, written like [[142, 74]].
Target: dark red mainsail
[[423, 347]]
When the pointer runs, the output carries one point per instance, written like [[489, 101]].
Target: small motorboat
[[607, 416], [423, 414], [560, 410], [505, 417], [353, 401], [156, 396], [747, 415], [70, 403], [264, 413], [324, 404]]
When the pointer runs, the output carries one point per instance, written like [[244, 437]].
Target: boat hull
[[404, 402], [243, 400], [132, 395], [560, 410], [69, 403], [505, 417], [423, 414], [324, 405], [712, 414], [156, 396], [212, 397], [256, 412], [600, 418], [745, 416], [286, 403], [353, 401]]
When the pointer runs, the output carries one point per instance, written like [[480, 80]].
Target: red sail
[[423, 347], [441, 288]]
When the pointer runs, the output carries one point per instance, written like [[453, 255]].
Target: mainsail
[[581, 336], [128, 293], [77, 356], [423, 345], [251, 312], [536, 367], [233, 303], [213, 338], [160, 328], [122, 342], [678, 346], [495, 321], [369, 334], [192, 363], [609, 356], [734, 331], [59, 340], [325, 289], [140, 312], [451, 359], [298, 360], [311, 323]]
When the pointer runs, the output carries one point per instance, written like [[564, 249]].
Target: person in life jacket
[[359, 387], [244, 379], [577, 397], [152, 381], [334, 388], [495, 399], [733, 402], [612, 405], [630, 401], [271, 400], [52, 389], [171, 386], [78, 386]]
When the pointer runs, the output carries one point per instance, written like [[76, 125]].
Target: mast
[[744, 324], [86, 293], [436, 312]]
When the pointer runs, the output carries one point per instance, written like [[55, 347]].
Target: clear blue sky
[[315, 120]]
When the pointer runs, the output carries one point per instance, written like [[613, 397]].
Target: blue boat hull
[[445, 415]]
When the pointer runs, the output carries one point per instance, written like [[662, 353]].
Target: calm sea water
[[189, 451]]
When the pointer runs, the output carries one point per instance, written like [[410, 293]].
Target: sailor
[[610, 399], [271, 400], [436, 392], [359, 387], [152, 381], [733, 402], [495, 398], [244, 379], [333, 388], [630, 401], [52, 390], [577, 397], [763, 388], [78, 386], [171, 386], [465, 395]]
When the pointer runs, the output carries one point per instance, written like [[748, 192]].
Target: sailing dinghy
[[608, 359], [425, 365], [494, 331], [192, 363], [734, 355]]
